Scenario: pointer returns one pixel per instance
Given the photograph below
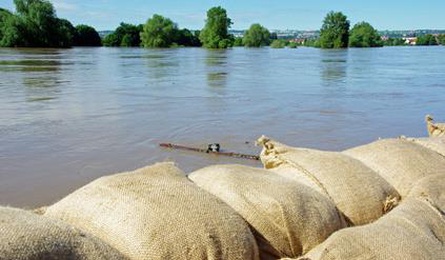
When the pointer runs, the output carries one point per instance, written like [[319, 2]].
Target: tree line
[[35, 24], [335, 33]]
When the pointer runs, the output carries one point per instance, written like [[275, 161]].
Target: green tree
[[13, 32], [441, 39], [86, 36], [215, 33], [5, 15], [394, 42], [364, 35], [65, 33], [292, 44], [312, 43], [40, 22], [35, 25], [238, 42], [427, 39], [158, 32], [186, 38], [111, 40], [129, 34], [278, 44], [256, 36], [125, 35], [334, 32]]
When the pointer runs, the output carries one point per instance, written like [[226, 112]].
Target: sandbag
[[157, 213], [432, 189], [400, 162], [288, 218], [436, 144], [358, 192], [413, 230], [28, 236]]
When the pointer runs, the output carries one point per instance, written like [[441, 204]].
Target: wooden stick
[[236, 155]]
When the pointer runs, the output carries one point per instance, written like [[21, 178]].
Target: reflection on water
[[161, 63], [334, 65], [217, 68], [40, 71], [70, 116]]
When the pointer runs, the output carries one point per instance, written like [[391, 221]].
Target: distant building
[[410, 40]]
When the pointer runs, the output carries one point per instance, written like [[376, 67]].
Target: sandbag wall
[[383, 200], [157, 213], [288, 218], [413, 168], [26, 235]]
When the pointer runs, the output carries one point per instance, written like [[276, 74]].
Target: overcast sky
[[273, 14]]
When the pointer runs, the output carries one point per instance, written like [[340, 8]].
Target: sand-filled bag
[[436, 144], [25, 236], [359, 193], [413, 230], [288, 218], [400, 162], [432, 189], [157, 213]]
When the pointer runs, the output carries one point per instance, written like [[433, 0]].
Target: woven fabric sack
[[25, 236], [436, 144], [432, 189], [157, 213], [359, 193], [400, 162], [413, 230], [288, 218]]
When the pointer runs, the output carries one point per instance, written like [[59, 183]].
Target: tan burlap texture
[[399, 161], [157, 213], [436, 144], [431, 189], [414, 230], [28, 236], [359, 193], [288, 218]]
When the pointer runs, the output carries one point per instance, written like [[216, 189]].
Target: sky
[[272, 14]]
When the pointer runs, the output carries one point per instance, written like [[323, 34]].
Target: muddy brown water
[[70, 116]]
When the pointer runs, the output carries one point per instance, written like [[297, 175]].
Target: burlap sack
[[288, 218], [400, 162], [413, 230], [157, 213], [360, 193], [436, 144], [432, 189], [28, 236]]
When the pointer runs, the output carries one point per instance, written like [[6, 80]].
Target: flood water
[[70, 116]]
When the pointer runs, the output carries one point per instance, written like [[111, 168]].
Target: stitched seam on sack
[[309, 175]]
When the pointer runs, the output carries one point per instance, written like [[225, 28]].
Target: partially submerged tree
[[334, 32], [126, 35], [66, 33], [364, 35], [441, 39], [427, 39], [215, 33], [278, 44], [34, 25], [158, 32], [187, 38], [256, 36], [86, 36]]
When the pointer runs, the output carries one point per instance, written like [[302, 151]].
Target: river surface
[[70, 116]]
